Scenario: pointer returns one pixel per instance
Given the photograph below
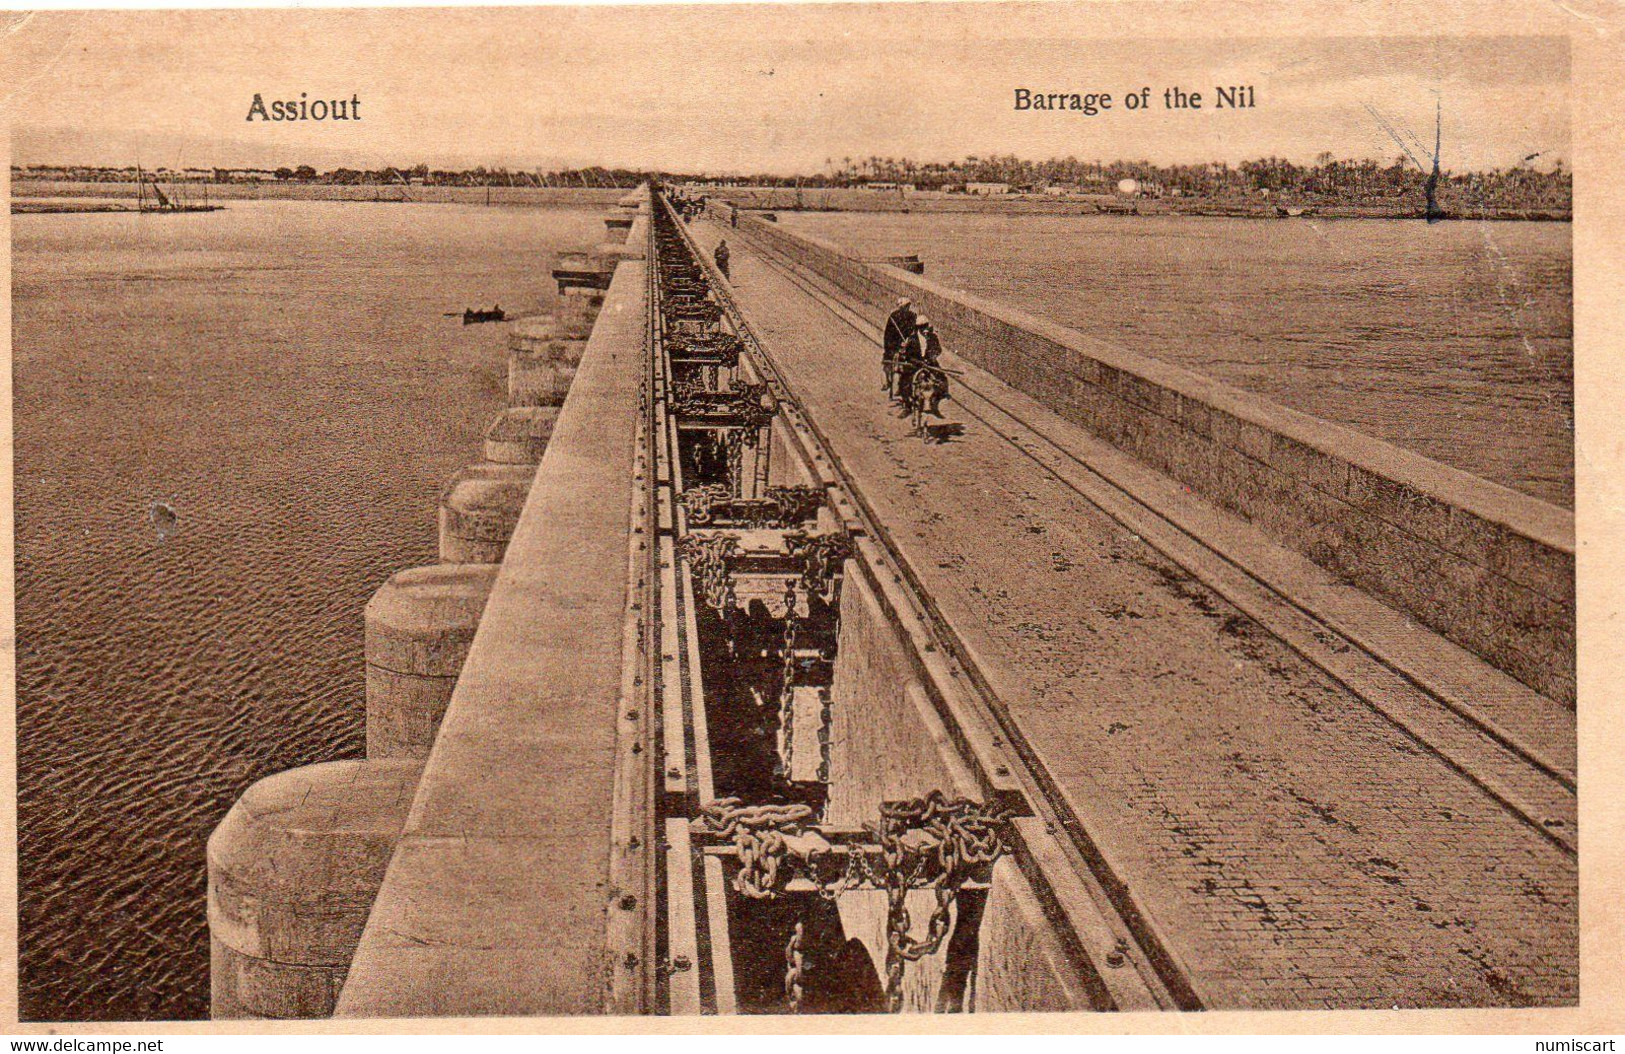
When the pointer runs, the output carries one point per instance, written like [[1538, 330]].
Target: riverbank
[[543, 197], [791, 199], [34, 208], [69, 207]]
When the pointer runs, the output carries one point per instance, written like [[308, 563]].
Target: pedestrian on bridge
[[909, 361], [921, 351], [898, 332], [930, 357], [721, 256]]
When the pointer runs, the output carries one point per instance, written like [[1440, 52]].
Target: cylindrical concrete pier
[[293, 871], [578, 310], [479, 509], [541, 376], [419, 627], [572, 321], [544, 350], [519, 434], [606, 255]]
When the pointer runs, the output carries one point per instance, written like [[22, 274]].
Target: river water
[[1454, 340], [281, 376]]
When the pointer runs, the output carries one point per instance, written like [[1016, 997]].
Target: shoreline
[[63, 207], [777, 199], [108, 193], [763, 199]]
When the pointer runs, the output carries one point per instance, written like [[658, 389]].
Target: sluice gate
[[843, 828]]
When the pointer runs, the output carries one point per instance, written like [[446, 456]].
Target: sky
[[781, 88]]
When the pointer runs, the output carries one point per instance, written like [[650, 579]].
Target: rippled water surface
[[1453, 340], [280, 375]]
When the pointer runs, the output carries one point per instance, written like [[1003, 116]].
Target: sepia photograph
[[796, 509]]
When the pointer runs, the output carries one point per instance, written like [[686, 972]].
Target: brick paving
[[1296, 850]]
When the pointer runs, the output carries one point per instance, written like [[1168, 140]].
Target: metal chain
[[787, 744], [954, 834], [795, 967], [777, 507], [856, 870], [826, 718], [700, 502], [821, 557], [764, 457], [901, 947], [709, 556], [792, 505], [758, 833], [947, 839], [736, 461]]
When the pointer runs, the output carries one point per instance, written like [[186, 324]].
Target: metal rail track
[[1090, 907], [1541, 796], [695, 967]]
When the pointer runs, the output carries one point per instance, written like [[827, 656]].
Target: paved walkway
[[1295, 847]]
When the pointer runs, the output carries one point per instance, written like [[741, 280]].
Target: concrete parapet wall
[[496, 900], [1485, 566]]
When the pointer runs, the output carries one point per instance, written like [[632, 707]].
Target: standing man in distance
[[899, 331], [928, 354]]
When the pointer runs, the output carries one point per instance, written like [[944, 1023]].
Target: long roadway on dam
[[1291, 843]]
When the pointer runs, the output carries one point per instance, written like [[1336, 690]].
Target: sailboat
[[171, 202], [1434, 213], [378, 191]]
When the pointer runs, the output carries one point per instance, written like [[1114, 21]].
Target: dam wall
[[1484, 566], [496, 900], [604, 776], [464, 867]]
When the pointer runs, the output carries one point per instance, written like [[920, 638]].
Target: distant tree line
[[1328, 179], [416, 175]]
